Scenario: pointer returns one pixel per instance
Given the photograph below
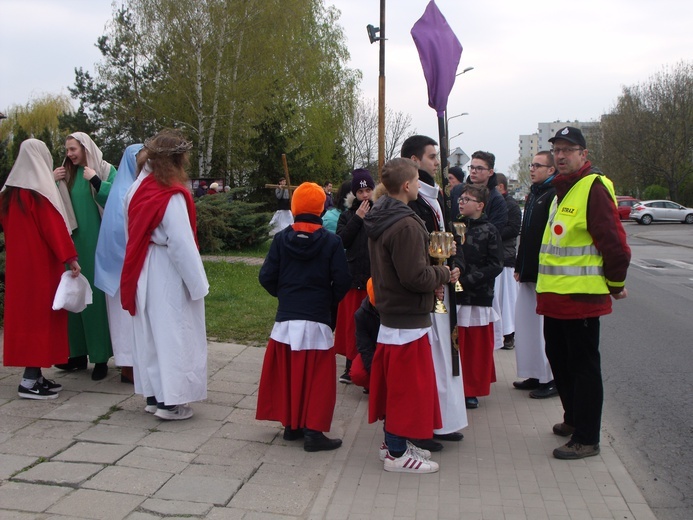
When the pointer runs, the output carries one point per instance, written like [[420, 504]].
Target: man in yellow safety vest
[[583, 262]]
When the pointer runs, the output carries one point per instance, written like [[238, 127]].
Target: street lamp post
[[372, 35]]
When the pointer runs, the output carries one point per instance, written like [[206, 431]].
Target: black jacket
[[367, 326], [307, 272], [511, 230], [350, 229], [480, 260], [496, 210], [533, 223], [421, 207]]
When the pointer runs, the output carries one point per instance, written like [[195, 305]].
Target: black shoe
[[508, 344], [100, 371], [471, 403], [292, 435], [544, 391], [49, 384], [452, 437], [319, 442], [37, 391], [527, 384], [73, 363], [345, 378], [427, 444]]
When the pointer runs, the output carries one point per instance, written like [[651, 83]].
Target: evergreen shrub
[[224, 224]]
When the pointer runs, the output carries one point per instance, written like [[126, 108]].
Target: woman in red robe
[[38, 245]]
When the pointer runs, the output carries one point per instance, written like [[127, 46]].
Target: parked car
[[661, 210], [625, 204]]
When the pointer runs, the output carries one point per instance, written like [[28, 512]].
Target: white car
[[650, 211]]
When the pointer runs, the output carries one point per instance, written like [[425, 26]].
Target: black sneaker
[[49, 384], [36, 392], [345, 378]]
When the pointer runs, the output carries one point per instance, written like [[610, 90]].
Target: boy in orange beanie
[[306, 269]]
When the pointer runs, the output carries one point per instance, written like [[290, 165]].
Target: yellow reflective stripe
[[550, 249], [616, 284], [557, 270]]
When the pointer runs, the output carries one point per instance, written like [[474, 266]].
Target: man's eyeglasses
[[536, 166], [465, 200], [477, 168], [556, 151]]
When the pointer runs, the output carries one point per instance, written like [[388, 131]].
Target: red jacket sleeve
[[609, 237]]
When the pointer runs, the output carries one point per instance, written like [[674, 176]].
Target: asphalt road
[[647, 364]]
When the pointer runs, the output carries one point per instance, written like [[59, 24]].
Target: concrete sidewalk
[[94, 453]]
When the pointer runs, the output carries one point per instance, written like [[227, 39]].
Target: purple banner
[[440, 52]]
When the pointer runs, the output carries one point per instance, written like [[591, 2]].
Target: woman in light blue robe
[[110, 252]]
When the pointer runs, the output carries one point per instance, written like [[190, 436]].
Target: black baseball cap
[[571, 134]]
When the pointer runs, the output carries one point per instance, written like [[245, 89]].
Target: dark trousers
[[572, 348]]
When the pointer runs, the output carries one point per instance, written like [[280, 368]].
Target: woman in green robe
[[84, 182]]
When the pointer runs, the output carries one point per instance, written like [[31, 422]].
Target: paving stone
[[199, 489], [235, 471], [175, 507], [248, 432], [156, 459], [174, 441], [59, 473], [133, 481], [10, 464], [50, 429], [223, 399], [12, 423], [296, 477], [97, 453], [273, 499], [112, 434], [44, 447], [29, 408], [197, 426], [78, 412], [225, 451], [99, 505], [30, 497], [228, 513], [233, 387]]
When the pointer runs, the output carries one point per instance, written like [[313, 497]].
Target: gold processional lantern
[[461, 230], [440, 248]]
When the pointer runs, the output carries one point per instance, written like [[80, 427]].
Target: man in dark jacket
[[481, 172], [532, 363], [506, 286]]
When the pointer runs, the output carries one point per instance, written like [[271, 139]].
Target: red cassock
[[38, 245], [476, 356], [403, 389], [345, 330], [297, 388]]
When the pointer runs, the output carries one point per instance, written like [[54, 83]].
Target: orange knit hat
[[308, 198]]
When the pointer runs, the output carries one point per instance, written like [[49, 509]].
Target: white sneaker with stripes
[[410, 462], [424, 453]]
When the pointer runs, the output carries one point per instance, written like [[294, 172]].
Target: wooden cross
[[288, 185]]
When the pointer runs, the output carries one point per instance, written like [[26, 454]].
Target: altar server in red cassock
[[306, 269]]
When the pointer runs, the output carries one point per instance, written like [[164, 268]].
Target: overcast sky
[[534, 60]]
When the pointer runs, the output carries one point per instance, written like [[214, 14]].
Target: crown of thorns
[[182, 147]]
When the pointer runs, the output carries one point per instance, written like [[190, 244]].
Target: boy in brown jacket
[[403, 385]]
